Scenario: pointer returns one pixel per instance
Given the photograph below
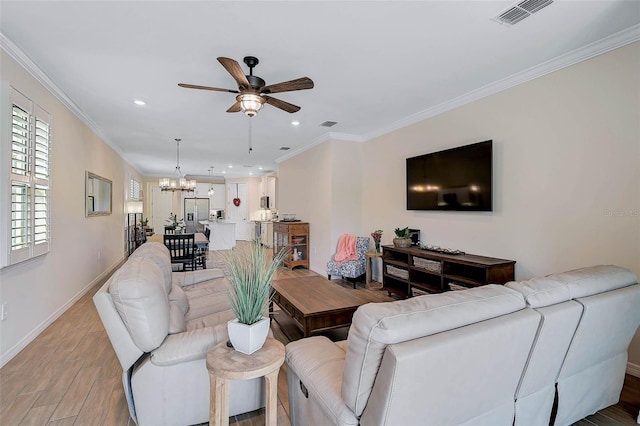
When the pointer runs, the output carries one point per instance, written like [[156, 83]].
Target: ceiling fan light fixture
[[250, 103]]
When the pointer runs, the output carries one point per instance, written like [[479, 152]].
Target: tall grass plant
[[251, 271]]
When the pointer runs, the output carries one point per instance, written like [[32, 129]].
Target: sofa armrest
[[194, 277], [319, 363], [188, 346]]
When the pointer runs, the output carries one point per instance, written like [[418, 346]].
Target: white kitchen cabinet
[[217, 200], [219, 197], [271, 191]]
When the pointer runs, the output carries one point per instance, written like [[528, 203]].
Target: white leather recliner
[[589, 318], [447, 359], [161, 333]]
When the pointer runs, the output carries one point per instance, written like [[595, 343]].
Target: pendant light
[[211, 190], [177, 182]]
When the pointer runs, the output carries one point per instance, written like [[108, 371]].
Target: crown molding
[[614, 41], [325, 137], [14, 51], [346, 137]]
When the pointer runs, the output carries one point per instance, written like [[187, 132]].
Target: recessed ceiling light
[[250, 173], [295, 123], [231, 166], [224, 171], [139, 102], [260, 168]]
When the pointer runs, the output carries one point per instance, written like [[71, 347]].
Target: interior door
[[161, 206], [239, 213]]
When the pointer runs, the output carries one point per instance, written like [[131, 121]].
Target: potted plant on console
[[250, 291], [403, 237]]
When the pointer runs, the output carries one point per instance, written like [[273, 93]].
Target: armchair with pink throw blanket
[[349, 260]]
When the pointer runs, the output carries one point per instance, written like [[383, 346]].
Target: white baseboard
[[13, 351], [633, 369]]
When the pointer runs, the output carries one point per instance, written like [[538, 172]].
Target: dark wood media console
[[411, 271]]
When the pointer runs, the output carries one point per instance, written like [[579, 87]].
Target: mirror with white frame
[[97, 195]]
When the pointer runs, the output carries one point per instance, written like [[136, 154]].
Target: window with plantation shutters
[[27, 229], [134, 190]]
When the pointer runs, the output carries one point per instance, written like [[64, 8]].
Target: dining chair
[[182, 249]]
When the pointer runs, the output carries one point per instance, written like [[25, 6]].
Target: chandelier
[[177, 182]]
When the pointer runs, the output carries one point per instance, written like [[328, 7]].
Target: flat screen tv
[[454, 179]]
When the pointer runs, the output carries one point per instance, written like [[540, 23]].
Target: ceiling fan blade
[[235, 107], [285, 106], [236, 72], [215, 89], [302, 83]]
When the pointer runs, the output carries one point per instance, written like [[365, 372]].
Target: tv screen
[[455, 179]]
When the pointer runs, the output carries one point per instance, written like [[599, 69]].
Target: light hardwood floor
[[69, 375]]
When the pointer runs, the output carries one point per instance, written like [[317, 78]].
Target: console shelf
[[292, 236], [411, 271]]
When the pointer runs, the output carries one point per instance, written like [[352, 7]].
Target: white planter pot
[[248, 338]]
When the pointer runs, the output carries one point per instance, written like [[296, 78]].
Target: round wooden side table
[[224, 364]]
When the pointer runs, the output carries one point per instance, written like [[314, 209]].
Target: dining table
[[199, 238]]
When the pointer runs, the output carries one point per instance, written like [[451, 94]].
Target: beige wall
[[82, 249], [323, 186], [304, 189], [566, 173], [346, 191]]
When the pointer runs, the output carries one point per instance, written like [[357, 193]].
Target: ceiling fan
[[252, 90]]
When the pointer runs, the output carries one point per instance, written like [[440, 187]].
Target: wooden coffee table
[[316, 304]]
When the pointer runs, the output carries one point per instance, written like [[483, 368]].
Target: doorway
[[161, 208], [239, 213]]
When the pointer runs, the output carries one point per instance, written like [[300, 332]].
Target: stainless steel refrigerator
[[195, 210]]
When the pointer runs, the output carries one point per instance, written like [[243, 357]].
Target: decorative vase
[[377, 247], [248, 338], [402, 242]]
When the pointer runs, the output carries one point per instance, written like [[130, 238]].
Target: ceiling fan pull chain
[[250, 147]]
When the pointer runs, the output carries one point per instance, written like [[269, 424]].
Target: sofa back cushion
[[377, 325], [463, 376], [158, 253], [593, 372], [557, 288], [140, 299]]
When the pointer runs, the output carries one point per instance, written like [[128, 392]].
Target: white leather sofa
[[490, 355], [161, 325]]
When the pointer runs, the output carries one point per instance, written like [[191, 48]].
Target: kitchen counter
[[223, 234]]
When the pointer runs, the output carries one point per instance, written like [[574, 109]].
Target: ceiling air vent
[[521, 10], [329, 123], [284, 148]]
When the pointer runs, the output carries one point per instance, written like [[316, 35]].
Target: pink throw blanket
[[346, 249]]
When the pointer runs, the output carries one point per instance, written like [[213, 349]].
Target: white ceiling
[[376, 66]]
